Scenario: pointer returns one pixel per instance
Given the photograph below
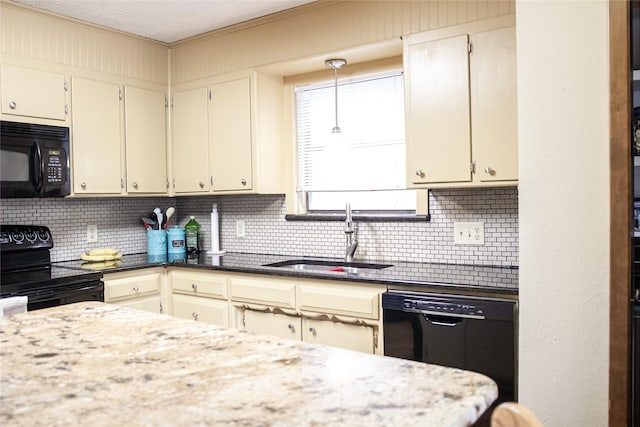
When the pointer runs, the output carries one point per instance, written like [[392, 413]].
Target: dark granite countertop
[[424, 276]]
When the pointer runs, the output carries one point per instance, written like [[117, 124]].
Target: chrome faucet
[[352, 237]]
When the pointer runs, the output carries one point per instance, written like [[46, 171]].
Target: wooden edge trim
[[621, 200]]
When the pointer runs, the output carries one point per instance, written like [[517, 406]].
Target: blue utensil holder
[[157, 243], [177, 245]]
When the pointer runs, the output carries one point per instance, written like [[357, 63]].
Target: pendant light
[[336, 64]]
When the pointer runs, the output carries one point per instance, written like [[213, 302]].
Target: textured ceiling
[[164, 20]]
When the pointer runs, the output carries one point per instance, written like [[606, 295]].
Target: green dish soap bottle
[[192, 230]]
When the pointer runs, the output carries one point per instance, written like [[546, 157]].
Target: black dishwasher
[[472, 333]]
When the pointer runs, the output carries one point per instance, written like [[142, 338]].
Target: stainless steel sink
[[328, 266]]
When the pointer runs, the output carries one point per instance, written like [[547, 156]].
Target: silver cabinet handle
[[313, 330], [194, 286], [135, 288], [243, 181], [291, 327], [83, 185], [13, 105], [489, 171], [135, 185], [420, 173], [194, 315], [201, 184]]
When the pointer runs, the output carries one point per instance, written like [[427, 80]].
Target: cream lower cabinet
[[140, 289], [460, 105], [199, 296], [270, 323], [339, 314], [358, 337]]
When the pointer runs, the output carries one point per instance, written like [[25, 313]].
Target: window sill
[[360, 217]]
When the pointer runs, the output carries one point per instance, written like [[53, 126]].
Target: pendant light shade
[[336, 64]]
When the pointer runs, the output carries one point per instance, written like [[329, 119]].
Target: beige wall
[[321, 28], [42, 40], [564, 210]]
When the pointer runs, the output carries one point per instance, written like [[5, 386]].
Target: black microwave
[[34, 160]]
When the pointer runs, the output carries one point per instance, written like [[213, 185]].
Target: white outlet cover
[[92, 233], [468, 233], [240, 228]]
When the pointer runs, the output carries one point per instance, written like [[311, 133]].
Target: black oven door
[[34, 160], [53, 297]]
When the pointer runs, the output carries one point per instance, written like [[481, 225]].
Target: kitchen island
[[97, 364]]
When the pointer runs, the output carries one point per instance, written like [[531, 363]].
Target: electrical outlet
[[468, 233], [240, 229], [92, 233]]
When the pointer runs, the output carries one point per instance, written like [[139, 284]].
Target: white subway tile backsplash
[[267, 231]]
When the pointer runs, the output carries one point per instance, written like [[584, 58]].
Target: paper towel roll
[[215, 232]]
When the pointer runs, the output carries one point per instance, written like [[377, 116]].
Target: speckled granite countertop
[[451, 277], [103, 365]]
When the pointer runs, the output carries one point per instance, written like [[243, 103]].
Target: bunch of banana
[[101, 255]]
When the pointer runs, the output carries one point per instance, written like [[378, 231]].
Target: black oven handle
[[38, 167], [443, 320]]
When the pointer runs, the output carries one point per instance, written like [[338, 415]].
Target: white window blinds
[[369, 154]]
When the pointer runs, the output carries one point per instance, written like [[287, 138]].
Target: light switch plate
[[468, 233], [240, 229], [92, 233]]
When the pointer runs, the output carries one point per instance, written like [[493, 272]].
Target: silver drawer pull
[[194, 286], [135, 288], [243, 181], [420, 173], [313, 330], [13, 105], [194, 315], [291, 327]]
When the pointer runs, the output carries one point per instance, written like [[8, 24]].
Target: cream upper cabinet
[[190, 146], [96, 137], [461, 109], [230, 135], [145, 140], [242, 123], [437, 110], [495, 132], [33, 93]]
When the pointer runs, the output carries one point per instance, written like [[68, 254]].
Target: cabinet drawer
[[345, 300], [206, 285], [276, 293], [275, 324], [205, 310], [131, 287], [352, 337]]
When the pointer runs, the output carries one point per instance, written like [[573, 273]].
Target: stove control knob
[[30, 236], [43, 235], [17, 236]]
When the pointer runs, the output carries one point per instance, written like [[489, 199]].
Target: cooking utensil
[[168, 214], [160, 217], [149, 224]]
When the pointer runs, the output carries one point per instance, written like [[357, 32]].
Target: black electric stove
[[26, 270]]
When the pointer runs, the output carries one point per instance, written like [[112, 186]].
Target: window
[[363, 165]]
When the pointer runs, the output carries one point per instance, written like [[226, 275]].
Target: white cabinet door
[[437, 111], [32, 93], [145, 140], [338, 334], [230, 135], [495, 118], [96, 141], [206, 310], [276, 324], [190, 145]]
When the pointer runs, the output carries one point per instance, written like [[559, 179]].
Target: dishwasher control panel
[[444, 308], [461, 306]]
